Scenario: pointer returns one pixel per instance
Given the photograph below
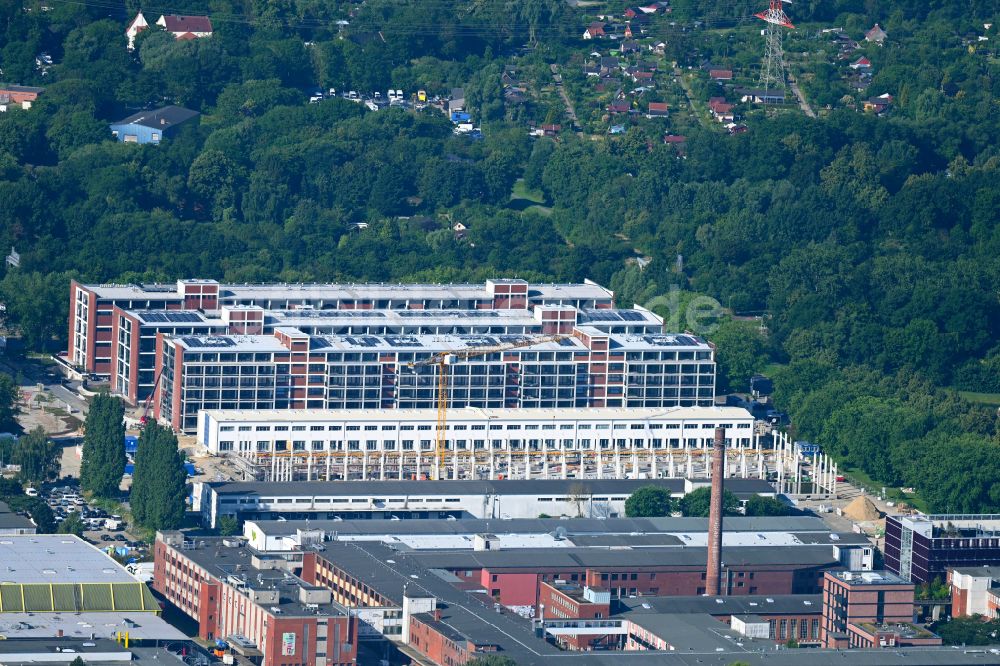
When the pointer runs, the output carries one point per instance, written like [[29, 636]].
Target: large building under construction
[[477, 443], [294, 370], [203, 345]]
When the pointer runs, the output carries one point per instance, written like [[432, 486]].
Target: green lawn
[[521, 191], [992, 399]]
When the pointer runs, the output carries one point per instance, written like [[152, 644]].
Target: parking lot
[[102, 528]]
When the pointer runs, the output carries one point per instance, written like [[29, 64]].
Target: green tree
[[36, 306], [491, 660], [740, 353], [697, 502], [36, 507], [758, 505], [649, 502], [78, 662], [229, 525], [104, 457], [72, 524], [38, 457], [158, 484], [9, 395]]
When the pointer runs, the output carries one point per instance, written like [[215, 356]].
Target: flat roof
[[598, 558], [469, 487], [235, 563], [479, 414], [174, 317], [347, 291], [869, 577], [56, 558], [439, 343], [571, 527], [140, 626], [775, 604]]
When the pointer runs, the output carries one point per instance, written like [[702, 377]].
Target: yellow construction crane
[[446, 358]]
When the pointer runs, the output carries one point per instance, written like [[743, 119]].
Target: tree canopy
[[649, 502], [103, 461], [157, 497]]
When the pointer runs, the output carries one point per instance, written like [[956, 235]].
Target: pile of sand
[[862, 510]]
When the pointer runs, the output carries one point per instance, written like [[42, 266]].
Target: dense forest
[[867, 246]]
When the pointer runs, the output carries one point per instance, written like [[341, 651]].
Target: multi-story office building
[[135, 331], [92, 319], [872, 609], [501, 443], [922, 548], [294, 370], [258, 604]]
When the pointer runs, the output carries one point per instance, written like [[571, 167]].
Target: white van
[[31, 492]]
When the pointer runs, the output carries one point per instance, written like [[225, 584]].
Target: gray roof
[[598, 558], [140, 626], [222, 561], [462, 487], [162, 118], [57, 558], [808, 529], [13, 521], [728, 605]]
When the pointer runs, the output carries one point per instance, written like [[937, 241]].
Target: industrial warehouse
[[506, 499]]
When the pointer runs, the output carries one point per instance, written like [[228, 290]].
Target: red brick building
[[870, 610], [232, 590]]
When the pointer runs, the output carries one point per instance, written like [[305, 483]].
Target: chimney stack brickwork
[[713, 575]]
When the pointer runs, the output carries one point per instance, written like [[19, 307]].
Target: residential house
[[678, 142], [721, 109], [186, 27], [137, 25], [651, 8], [757, 96], [21, 96], [619, 107], [876, 35], [459, 230], [657, 110], [628, 47], [610, 63], [642, 77], [659, 48], [878, 105], [591, 69], [151, 126], [632, 12], [551, 130], [861, 63], [594, 31], [648, 65], [721, 74]]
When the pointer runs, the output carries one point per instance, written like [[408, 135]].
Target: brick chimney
[[713, 575]]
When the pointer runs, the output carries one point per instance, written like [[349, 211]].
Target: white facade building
[[287, 445]]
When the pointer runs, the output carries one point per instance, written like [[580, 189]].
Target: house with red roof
[[861, 63], [657, 110], [594, 31], [721, 74], [186, 27], [876, 35]]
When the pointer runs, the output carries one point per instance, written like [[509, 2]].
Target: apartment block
[[294, 370], [91, 317]]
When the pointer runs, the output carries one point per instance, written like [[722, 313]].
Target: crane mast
[[442, 360]]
